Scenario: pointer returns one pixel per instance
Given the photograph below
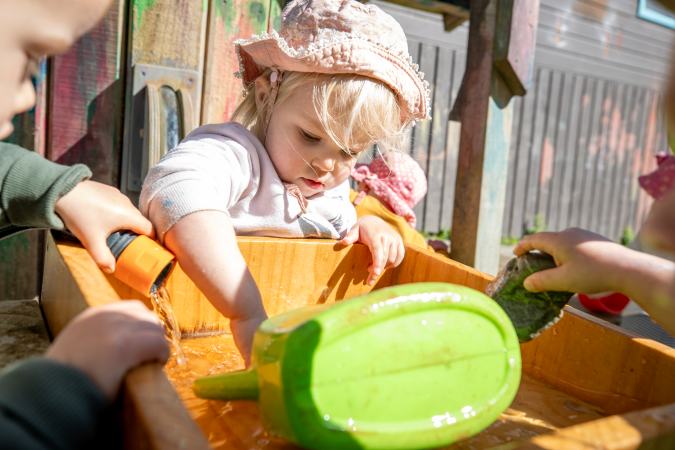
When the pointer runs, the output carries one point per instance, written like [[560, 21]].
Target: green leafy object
[[531, 313], [442, 234], [509, 240], [627, 237]]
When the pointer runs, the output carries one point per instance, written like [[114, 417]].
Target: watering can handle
[[239, 385]]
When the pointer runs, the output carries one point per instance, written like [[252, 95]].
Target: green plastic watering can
[[414, 366]]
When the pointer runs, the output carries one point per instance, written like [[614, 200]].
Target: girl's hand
[[384, 243], [93, 211], [587, 262]]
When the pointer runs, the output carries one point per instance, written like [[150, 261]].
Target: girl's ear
[[262, 89]]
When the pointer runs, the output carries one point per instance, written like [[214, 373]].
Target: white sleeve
[[344, 208], [206, 172]]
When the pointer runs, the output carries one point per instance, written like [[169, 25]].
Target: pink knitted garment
[[398, 179], [662, 180]]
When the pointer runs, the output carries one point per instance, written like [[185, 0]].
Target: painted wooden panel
[[229, 21], [87, 99]]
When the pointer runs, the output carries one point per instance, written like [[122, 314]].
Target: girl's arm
[[589, 263], [205, 245]]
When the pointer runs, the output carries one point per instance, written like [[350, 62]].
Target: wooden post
[[502, 35]]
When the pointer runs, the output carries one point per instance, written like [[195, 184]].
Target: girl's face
[[300, 148]]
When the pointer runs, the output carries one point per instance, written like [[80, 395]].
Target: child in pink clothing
[[389, 188]]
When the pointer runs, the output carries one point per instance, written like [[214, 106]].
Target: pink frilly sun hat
[[398, 179], [338, 36]]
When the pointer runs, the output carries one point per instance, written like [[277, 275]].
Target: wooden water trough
[[586, 384]]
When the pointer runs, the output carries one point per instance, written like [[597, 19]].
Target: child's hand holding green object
[[588, 263]]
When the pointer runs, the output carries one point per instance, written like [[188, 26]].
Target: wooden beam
[[486, 115], [455, 12], [515, 43]]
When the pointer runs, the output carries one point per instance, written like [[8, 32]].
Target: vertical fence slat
[[590, 156], [636, 168], [513, 160], [598, 164], [553, 216], [609, 161], [634, 113], [428, 59], [537, 141], [522, 166], [570, 150], [548, 149], [613, 231], [439, 132], [452, 144]]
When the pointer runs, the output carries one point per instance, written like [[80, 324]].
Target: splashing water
[[161, 303]]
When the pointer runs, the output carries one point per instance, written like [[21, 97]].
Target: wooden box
[[574, 373]]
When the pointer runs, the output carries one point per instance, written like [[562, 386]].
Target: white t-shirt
[[225, 168]]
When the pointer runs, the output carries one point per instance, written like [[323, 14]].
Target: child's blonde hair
[[355, 110]]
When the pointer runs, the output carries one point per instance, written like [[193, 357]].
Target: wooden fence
[[588, 127]]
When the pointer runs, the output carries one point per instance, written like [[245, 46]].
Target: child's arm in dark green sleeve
[[45, 404], [30, 186]]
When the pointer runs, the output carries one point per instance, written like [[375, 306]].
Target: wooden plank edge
[[611, 402], [146, 391], [648, 428], [152, 406]]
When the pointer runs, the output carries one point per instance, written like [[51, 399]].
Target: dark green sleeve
[[30, 186], [48, 405]]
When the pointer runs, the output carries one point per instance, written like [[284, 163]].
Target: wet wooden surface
[[154, 417], [536, 410], [583, 359]]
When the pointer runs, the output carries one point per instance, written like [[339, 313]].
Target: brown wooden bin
[[632, 379]]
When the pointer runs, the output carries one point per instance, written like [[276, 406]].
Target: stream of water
[[161, 303]]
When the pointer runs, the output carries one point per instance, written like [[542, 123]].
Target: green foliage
[[443, 234], [510, 240], [627, 237], [539, 226]]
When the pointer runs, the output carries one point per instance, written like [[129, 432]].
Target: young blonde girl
[[336, 79]]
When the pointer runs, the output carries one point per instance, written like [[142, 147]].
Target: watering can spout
[[239, 385]]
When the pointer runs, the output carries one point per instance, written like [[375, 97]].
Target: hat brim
[[354, 56]]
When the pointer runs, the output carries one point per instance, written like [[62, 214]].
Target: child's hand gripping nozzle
[[530, 312], [413, 366]]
